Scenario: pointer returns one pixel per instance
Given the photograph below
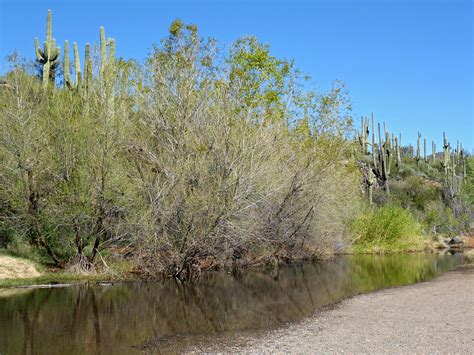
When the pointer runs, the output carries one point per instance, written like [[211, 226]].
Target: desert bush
[[386, 229], [60, 168], [217, 172], [193, 160], [440, 219], [415, 192], [468, 186]]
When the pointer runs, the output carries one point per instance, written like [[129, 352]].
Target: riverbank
[[428, 317], [20, 272]]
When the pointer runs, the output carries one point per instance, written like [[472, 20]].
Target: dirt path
[[16, 268], [431, 317]]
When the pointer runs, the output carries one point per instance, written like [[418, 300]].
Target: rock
[[456, 241]]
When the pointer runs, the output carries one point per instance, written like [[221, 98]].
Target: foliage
[[468, 187], [200, 159], [386, 229], [193, 159], [415, 192]]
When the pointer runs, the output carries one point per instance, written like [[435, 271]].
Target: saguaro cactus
[[463, 157], [370, 184], [398, 158], [107, 69], [446, 154], [77, 67], [76, 85], [382, 163], [433, 151], [49, 55], [87, 68], [424, 150], [374, 150], [66, 68], [364, 135], [418, 149], [106, 63]]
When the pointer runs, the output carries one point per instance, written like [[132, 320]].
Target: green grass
[[388, 229]]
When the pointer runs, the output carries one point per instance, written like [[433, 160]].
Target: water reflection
[[157, 317]]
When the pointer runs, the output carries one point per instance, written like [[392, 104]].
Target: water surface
[[151, 317]]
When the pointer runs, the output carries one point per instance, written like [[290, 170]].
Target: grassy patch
[[387, 229], [55, 278], [116, 270]]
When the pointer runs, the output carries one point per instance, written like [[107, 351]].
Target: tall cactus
[[374, 150], [418, 149], [433, 151], [398, 160], [49, 55], [66, 67], [463, 157], [382, 163], [107, 69], [77, 67], [424, 150], [458, 151], [106, 63], [77, 84], [364, 135], [87, 68], [370, 184], [446, 154]]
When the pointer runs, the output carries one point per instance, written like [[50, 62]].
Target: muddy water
[[145, 317]]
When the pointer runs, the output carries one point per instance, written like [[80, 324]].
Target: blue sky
[[409, 61]]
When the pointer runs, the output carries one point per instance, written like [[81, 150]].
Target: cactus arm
[[111, 44], [55, 52], [38, 51], [46, 50]]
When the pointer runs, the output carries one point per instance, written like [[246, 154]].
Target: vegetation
[[387, 229], [202, 159]]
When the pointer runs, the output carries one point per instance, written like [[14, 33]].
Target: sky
[[408, 61]]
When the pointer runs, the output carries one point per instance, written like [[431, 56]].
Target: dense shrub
[[193, 160], [415, 192], [386, 229], [440, 219]]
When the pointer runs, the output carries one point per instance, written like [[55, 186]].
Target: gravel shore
[[429, 317]]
